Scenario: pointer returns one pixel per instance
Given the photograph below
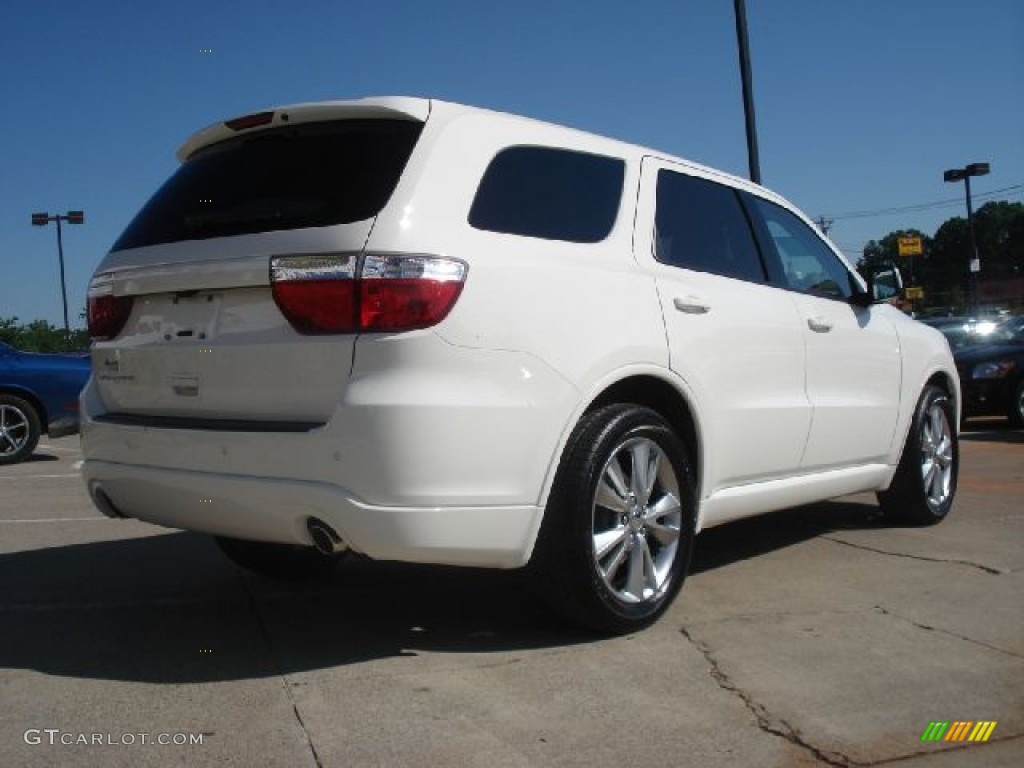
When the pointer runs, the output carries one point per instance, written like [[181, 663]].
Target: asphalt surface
[[823, 635]]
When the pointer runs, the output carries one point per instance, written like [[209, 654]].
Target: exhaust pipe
[[325, 538], [103, 503]]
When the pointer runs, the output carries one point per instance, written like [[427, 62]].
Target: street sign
[[910, 246], [975, 265], [915, 293]]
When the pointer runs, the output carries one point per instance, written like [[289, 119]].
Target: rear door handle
[[691, 305], [819, 324]]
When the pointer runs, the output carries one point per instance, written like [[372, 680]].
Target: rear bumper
[[278, 510]]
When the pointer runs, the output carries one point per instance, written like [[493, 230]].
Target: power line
[[921, 206]]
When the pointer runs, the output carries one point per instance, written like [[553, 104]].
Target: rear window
[[555, 194], [312, 175]]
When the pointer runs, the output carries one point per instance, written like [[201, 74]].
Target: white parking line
[[39, 477], [60, 449], [55, 520]]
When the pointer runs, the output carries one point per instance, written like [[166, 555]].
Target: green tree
[[40, 336], [886, 251], [943, 270]]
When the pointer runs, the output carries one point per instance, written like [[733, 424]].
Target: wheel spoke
[[608, 572], [665, 506], [606, 541], [608, 496], [640, 461], [645, 458], [613, 472], [929, 470], [938, 419], [636, 577], [650, 572], [664, 534]]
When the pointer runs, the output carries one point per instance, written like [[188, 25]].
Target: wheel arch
[[944, 381], [652, 388], [32, 399]]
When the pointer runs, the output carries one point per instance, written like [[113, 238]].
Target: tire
[[281, 562], [19, 429], [924, 486], [1016, 412], [614, 549]]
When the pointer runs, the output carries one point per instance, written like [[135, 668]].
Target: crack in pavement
[[986, 568], [285, 683], [951, 748], [927, 627], [775, 727]]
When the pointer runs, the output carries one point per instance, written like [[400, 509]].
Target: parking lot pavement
[[817, 636]]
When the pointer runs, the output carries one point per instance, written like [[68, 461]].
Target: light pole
[[72, 217], [753, 158], [964, 174]]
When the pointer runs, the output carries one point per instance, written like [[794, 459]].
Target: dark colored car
[[992, 376], [38, 393]]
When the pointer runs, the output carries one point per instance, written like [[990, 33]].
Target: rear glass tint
[[312, 175], [555, 194]]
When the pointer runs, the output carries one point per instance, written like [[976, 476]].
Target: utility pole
[[825, 225]]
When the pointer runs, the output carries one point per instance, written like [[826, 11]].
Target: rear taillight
[[317, 294], [107, 313], [353, 293]]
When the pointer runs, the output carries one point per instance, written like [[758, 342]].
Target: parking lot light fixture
[[964, 174], [71, 217]]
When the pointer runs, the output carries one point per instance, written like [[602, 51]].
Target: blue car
[[38, 393]]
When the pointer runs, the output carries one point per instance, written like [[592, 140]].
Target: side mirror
[[884, 284]]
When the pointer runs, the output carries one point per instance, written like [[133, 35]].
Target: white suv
[[425, 332]]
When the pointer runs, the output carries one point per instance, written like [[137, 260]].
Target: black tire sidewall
[[34, 426]]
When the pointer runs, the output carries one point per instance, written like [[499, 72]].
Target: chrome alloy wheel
[[936, 456], [14, 429], [637, 519]]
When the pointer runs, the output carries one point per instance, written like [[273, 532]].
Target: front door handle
[[819, 324], [691, 305]]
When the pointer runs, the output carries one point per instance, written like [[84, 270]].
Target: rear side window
[[307, 175], [701, 226], [555, 194]]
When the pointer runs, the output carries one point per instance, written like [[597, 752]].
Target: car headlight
[[998, 369]]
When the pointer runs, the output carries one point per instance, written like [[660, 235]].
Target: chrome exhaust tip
[[325, 538]]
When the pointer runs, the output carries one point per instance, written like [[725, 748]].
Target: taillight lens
[[317, 294], [403, 293], [106, 312], [374, 292]]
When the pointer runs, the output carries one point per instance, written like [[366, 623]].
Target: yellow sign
[[915, 292], [910, 246]]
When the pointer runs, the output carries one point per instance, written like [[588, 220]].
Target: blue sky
[[861, 104]]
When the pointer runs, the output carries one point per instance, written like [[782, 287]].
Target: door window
[[806, 263], [701, 225]]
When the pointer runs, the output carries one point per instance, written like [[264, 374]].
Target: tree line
[[942, 270], [40, 336]]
